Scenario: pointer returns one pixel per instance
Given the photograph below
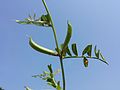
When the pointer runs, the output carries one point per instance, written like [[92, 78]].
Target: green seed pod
[[68, 37], [41, 49]]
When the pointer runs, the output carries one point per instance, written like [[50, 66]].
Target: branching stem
[[52, 25], [55, 36]]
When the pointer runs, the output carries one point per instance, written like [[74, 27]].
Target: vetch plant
[[62, 51]]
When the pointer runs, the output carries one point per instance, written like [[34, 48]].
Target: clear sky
[[94, 21]]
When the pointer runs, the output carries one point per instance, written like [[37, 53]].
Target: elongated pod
[[40, 48], [68, 36]]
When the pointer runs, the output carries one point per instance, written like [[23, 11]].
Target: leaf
[[68, 51], [49, 80], [49, 77], [68, 37], [102, 57], [56, 72], [50, 68], [37, 23], [44, 20], [96, 53], [40, 48], [65, 51], [22, 22], [34, 16], [30, 17], [85, 61], [74, 49], [58, 86], [104, 61], [87, 50], [27, 88]]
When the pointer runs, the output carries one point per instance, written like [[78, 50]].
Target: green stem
[[55, 36], [63, 75], [86, 57], [52, 25]]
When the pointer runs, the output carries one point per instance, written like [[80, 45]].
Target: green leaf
[[27, 88], [102, 57], [41, 49], [37, 23], [58, 86], [85, 61], [68, 36], [87, 50], [50, 68], [68, 51], [44, 20], [65, 51], [22, 22], [30, 17], [96, 53], [56, 72], [34, 16], [104, 61], [49, 77], [74, 49], [49, 80]]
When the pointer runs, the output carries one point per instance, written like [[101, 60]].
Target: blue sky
[[94, 21]]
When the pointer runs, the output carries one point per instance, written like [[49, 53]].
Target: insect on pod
[[85, 61]]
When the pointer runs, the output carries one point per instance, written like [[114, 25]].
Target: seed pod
[[41, 49], [68, 37]]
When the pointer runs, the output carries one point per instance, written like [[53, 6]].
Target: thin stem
[[55, 36], [63, 75], [52, 25], [86, 57]]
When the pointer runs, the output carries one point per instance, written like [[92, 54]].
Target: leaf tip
[[69, 24], [17, 21]]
